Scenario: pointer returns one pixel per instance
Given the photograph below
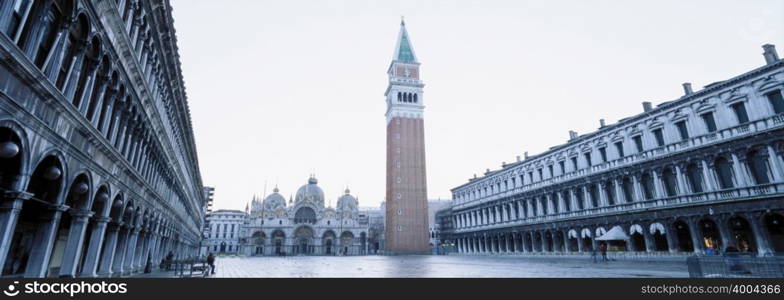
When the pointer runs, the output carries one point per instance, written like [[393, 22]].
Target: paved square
[[440, 266]]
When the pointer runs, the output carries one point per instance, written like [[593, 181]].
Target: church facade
[[304, 226]]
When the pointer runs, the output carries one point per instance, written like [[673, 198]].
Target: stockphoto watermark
[[65, 288]]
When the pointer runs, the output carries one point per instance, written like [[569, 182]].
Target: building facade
[[406, 194], [702, 171], [434, 227], [444, 241], [225, 228], [305, 226], [98, 167]]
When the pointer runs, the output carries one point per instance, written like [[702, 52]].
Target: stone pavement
[[440, 266]]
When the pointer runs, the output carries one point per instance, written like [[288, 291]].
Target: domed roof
[[347, 204], [310, 193], [274, 201]]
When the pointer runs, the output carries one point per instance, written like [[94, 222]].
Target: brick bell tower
[[406, 199]]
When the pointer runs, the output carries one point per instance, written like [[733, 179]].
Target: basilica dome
[[274, 201], [347, 204], [310, 193]]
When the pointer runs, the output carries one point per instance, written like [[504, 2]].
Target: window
[[619, 149], [609, 193], [647, 186], [562, 165], [587, 158], [710, 124], [567, 197], [659, 137], [776, 101], [628, 189], [694, 175], [550, 168], [540, 173], [20, 8], [531, 177], [574, 162], [740, 112], [603, 153], [544, 205], [638, 142], [724, 172], [554, 202], [580, 196], [758, 165], [683, 130], [533, 207], [670, 182], [594, 193]]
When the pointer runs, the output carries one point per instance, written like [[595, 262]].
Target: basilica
[[304, 226]]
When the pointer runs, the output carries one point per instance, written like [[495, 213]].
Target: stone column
[[602, 201], [620, 196], [722, 222], [681, 179], [566, 241], [43, 242], [118, 267], [96, 244], [740, 172], [38, 20], [6, 9], [760, 236], [637, 193], [107, 255], [543, 241], [10, 208], [649, 242], [75, 72], [586, 197], [696, 235], [658, 184], [775, 165], [54, 58], [672, 237], [708, 179], [73, 246], [131, 249]]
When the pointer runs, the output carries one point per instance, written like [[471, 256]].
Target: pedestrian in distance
[[594, 255], [211, 262], [603, 250]]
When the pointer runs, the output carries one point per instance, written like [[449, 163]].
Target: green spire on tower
[[404, 51]]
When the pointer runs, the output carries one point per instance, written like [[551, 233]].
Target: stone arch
[[346, 242], [741, 233], [659, 236], [80, 190], [711, 235], [14, 156], [773, 223], [278, 241], [637, 238], [75, 38], [305, 214], [683, 235], [303, 240]]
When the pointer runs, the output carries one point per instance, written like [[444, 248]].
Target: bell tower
[[406, 194]]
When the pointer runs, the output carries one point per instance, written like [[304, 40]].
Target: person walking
[[603, 250], [211, 262]]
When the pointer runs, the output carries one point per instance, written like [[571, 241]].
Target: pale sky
[[279, 90]]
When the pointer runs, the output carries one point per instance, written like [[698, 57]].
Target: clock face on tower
[[407, 72]]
